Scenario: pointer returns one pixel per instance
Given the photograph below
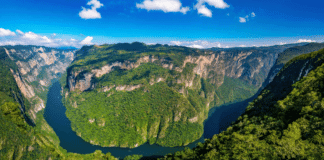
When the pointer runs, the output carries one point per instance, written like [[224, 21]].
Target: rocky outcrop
[[250, 65], [37, 67], [25, 89], [85, 83], [199, 76], [126, 65], [289, 54]]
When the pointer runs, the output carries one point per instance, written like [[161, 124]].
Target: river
[[219, 119]]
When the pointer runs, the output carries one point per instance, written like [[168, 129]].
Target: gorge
[[194, 81]]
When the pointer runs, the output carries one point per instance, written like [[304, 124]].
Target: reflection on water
[[55, 116]]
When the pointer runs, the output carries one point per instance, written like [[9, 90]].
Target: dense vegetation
[[289, 54], [293, 52], [89, 57], [128, 119], [164, 106], [284, 122], [20, 140]]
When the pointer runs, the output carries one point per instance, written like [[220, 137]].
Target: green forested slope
[[289, 54], [171, 90], [284, 122], [16, 136], [19, 140], [130, 118]]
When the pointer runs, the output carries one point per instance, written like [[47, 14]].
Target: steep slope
[[284, 122], [127, 94], [22, 140], [289, 54], [36, 67]]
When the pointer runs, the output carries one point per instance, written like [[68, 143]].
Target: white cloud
[[91, 13], [30, 35], [31, 38], [178, 43], [246, 18], [202, 9], [163, 5], [242, 19], [242, 46], [305, 40], [6, 32], [253, 14], [216, 3], [19, 32], [35, 37], [8, 43], [87, 41], [196, 44]]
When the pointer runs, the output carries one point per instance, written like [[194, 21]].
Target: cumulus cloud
[[163, 5], [31, 38], [202, 9], [246, 18], [196, 44], [91, 13], [87, 41], [19, 32], [305, 40], [6, 32], [215, 3], [242, 19]]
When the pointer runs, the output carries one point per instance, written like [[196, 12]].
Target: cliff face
[[20, 139], [107, 83], [285, 121], [289, 54], [250, 65], [37, 66], [292, 72]]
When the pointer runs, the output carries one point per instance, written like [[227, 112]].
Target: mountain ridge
[[201, 79], [285, 121]]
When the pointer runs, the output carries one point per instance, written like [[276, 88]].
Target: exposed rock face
[[196, 75], [37, 66], [251, 65], [25, 89], [289, 54]]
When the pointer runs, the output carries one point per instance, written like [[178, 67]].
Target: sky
[[192, 23]]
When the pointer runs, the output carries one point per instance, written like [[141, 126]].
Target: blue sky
[[195, 23]]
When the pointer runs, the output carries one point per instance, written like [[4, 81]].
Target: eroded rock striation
[[157, 93], [37, 67]]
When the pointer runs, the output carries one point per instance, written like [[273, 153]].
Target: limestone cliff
[[289, 54], [156, 93], [37, 67]]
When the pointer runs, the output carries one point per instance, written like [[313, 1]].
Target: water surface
[[220, 118]]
